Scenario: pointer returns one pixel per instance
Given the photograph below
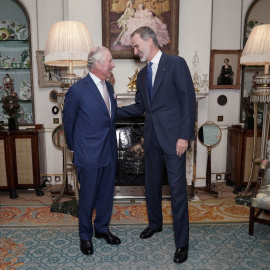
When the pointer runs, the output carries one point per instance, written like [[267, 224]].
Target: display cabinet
[[15, 60], [19, 161], [239, 157]]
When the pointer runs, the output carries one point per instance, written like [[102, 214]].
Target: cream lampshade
[[257, 52], [68, 44]]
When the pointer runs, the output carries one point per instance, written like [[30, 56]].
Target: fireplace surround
[[130, 170]]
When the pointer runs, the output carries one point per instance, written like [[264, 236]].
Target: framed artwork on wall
[[225, 69], [48, 76], [120, 18]]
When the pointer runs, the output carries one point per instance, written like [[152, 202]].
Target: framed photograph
[[225, 69], [122, 17], [48, 76]]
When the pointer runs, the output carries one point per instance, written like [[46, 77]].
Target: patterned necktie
[[106, 96], [149, 80]]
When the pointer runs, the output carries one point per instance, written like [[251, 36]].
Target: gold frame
[[42, 82], [173, 30], [217, 58]]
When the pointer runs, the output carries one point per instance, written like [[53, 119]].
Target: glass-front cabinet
[[15, 61]]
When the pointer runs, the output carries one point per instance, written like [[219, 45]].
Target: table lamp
[[68, 45], [257, 52]]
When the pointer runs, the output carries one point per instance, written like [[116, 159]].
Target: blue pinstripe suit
[[91, 134]]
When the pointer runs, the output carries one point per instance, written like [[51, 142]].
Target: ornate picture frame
[[48, 76], [165, 12], [221, 77]]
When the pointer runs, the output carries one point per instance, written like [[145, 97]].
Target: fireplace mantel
[[124, 99]]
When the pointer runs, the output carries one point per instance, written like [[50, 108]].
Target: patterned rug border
[[127, 214]]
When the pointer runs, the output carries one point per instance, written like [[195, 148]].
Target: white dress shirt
[[97, 81], [154, 66]]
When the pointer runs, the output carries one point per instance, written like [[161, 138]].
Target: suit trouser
[[96, 192], [176, 171]]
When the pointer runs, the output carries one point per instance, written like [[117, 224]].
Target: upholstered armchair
[[260, 200]]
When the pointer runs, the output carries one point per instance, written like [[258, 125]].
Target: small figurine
[[11, 107], [132, 82], [195, 79], [8, 83]]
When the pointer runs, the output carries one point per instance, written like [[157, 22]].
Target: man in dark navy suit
[[89, 123], [165, 93]]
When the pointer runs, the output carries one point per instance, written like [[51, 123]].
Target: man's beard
[[145, 55]]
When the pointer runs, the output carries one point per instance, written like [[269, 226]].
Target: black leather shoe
[[147, 233], [109, 237], [86, 247], [181, 255]]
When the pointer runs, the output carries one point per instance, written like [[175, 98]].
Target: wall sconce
[[196, 78]]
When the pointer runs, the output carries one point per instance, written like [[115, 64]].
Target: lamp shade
[[257, 48], [68, 41]]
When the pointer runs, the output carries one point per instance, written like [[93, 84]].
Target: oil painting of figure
[[128, 15]]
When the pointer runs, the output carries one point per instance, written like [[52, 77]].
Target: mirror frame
[[209, 122]]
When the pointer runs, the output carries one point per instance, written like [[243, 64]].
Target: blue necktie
[[149, 80]]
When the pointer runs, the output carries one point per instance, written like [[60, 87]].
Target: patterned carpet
[[32, 237], [212, 246]]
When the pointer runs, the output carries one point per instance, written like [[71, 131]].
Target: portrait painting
[[120, 18], [225, 69]]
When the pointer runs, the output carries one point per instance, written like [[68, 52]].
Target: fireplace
[[130, 171], [130, 177]]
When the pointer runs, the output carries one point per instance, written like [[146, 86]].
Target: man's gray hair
[[95, 54], [145, 33]]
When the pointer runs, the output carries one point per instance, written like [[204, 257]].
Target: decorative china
[[4, 34], [16, 30], [6, 61], [24, 55], [28, 117], [22, 34], [3, 117], [25, 59], [25, 90], [20, 115], [26, 63], [9, 25]]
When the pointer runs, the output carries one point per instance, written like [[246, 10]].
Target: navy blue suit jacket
[[89, 130], [172, 111]]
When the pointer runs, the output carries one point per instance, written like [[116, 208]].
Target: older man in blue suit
[[89, 123], [166, 94]]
